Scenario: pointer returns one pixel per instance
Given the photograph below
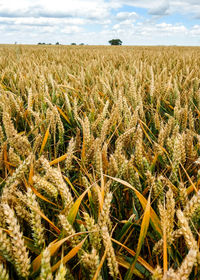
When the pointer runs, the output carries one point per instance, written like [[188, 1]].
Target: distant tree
[[115, 42], [73, 44], [57, 43], [81, 44]]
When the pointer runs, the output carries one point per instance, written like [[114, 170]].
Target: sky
[[95, 22]]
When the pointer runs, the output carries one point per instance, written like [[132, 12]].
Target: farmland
[[99, 162]]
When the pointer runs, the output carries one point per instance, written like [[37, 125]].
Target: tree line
[[113, 42]]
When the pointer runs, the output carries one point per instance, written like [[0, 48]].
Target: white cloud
[[147, 4], [42, 21], [126, 24], [147, 33], [56, 9], [69, 21], [168, 27], [126, 15], [163, 7], [71, 29], [195, 30]]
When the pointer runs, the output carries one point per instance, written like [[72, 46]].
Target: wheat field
[[99, 162]]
